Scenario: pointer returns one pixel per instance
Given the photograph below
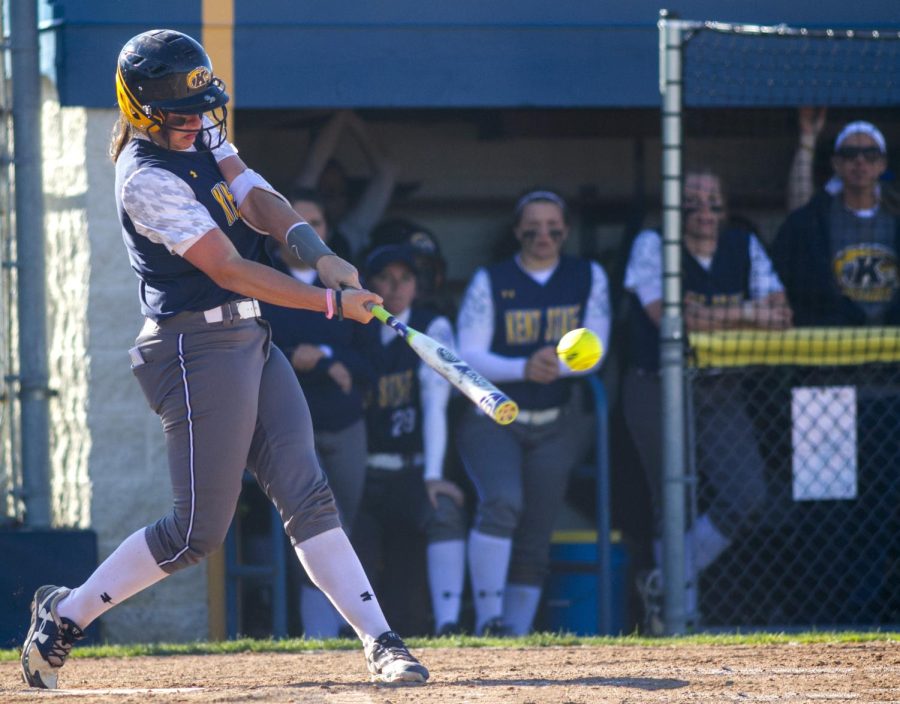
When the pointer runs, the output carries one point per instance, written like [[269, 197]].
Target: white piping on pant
[[190, 420]]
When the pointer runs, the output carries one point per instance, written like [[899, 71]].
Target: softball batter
[[228, 399]]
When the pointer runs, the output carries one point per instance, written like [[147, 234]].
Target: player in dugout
[[729, 284], [406, 492], [192, 217], [511, 318]]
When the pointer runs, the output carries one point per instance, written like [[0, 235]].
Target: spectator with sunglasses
[[837, 255], [728, 283], [512, 315]]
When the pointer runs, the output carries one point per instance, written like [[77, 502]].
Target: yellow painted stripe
[[583, 536], [218, 40]]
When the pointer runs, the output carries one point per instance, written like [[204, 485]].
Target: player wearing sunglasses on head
[[511, 318]]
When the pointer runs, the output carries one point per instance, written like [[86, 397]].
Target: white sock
[[704, 543], [520, 603], [488, 563], [130, 569], [446, 574], [320, 618], [333, 566]]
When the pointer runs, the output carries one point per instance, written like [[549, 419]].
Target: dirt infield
[[846, 672]]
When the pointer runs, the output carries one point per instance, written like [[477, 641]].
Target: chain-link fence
[[802, 429], [790, 296]]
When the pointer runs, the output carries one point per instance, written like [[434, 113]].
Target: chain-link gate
[[792, 381], [11, 504]]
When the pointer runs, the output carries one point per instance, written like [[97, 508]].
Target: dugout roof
[[414, 53]]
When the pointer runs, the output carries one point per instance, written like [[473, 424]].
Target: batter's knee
[[315, 514], [174, 551], [498, 517]]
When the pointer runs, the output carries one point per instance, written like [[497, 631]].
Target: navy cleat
[[389, 661], [50, 639]]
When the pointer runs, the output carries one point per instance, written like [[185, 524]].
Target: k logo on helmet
[[199, 77]]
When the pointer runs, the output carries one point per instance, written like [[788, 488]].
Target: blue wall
[[410, 53]]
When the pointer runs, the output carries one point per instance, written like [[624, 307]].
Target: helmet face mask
[[161, 72]]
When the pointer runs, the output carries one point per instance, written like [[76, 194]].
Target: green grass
[[537, 640]]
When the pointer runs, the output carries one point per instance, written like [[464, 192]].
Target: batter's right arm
[[268, 211]]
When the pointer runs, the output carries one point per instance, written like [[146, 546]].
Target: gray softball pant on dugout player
[[342, 454], [728, 456], [520, 473], [228, 400]]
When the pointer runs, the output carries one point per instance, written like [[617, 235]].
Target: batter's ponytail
[[122, 134]]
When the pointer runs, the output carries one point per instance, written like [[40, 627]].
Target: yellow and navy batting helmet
[[163, 71]]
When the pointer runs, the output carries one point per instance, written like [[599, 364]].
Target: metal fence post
[[671, 327], [33, 369]]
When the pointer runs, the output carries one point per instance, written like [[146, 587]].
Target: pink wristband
[[329, 303]]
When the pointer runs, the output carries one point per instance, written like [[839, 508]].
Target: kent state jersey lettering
[[726, 283], [528, 316], [169, 284], [394, 413]]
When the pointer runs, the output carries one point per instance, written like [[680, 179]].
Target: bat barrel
[[506, 412], [495, 404]]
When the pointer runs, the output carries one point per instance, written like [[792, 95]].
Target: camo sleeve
[[164, 209]]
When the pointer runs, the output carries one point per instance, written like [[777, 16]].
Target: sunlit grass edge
[[536, 640]]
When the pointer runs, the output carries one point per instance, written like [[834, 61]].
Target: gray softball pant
[[228, 400], [728, 456], [520, 473]]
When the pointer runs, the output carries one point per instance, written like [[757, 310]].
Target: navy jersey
[[331, 408], [727, 282], [169, 284], [528, 316], [394, 409]]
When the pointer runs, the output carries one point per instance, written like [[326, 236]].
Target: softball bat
[[497, 405]]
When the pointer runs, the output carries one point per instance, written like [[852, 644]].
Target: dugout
[[474, 101]]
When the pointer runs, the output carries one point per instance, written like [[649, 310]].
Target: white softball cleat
[[50, 639], [390, 661]]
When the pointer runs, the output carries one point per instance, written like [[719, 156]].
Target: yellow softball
[[579, 349]]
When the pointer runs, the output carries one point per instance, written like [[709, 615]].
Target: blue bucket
[[570, 603]]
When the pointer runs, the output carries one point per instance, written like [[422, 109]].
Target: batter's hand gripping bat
[[484, 394]]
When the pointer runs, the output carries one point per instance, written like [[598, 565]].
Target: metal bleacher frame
[[274, 573], [604, 548]]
